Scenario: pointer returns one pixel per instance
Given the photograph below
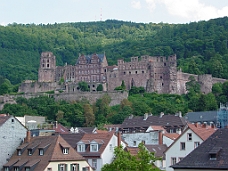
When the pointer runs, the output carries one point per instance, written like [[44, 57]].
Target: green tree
[[83, 86], [100, 87], [89, 115], [124, 161]]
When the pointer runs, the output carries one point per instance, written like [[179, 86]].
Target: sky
[[139, 11]]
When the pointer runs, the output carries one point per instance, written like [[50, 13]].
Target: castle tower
[[47, 67]]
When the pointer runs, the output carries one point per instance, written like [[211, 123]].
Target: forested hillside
[[201, 47]]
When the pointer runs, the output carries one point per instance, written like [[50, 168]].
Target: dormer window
[[29, 152], [19, 152], [93, 147], [65, 150], [81, 148], [41, 152], [27, 169], [214, 153], [16, 169], [6, 168]]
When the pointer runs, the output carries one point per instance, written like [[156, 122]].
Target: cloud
[[136, 4], [193, 10]]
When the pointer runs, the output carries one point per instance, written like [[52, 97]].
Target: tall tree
[[124, 161]]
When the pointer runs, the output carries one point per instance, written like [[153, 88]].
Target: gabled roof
[[102, 139], [72, 139], [3, 118], [200, 157], [61, 129], [171, 136], [205, 116], [157, 149], [201, 131], [165, 120], [52, 146]]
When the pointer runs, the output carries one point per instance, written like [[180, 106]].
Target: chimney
[[180, 114], [212, 125], [145, 116], [119, 139], [161, 114], [160, 137], [28, 137]]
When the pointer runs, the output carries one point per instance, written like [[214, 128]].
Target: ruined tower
[[47, 67]]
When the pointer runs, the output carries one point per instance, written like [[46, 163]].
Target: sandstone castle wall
[[156, 74]]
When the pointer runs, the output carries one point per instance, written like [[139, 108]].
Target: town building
[[32, 122], [212, 154], [97, 148], [12, 134], [191, 138], [46, 153]]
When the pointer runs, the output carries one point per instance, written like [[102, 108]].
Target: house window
[[12, 120], [81, 148], [213, 157], [65, 150], [182, 146], [134, 143], [110, 147], [93, 147], [196, 144], [29, 152], [181, 158], [173, 160], [6, 168], [27, 169], [85, 169], [94, 163], [41, 152], [62, 167], [16, 168], [19, 152], [74, 167], [189, 136]]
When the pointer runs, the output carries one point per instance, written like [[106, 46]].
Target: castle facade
[[156, 74]]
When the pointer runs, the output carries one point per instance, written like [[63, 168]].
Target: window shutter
[[66, 167], [77, 167], [71, 167], [58, 167]]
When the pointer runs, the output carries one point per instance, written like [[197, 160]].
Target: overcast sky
[[145, 11]]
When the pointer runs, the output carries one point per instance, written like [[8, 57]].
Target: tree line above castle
[[201, 47]]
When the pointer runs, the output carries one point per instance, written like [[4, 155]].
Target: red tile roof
[[53, 152], [101, 137], [201, 131], [172, 136]]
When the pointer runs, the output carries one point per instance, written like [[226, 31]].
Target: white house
[[97, 148], [12, 135], [191, 138]]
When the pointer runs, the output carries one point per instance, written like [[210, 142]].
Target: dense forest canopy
[[201, 47]]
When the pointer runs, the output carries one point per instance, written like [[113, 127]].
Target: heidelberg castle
[[156, 74]]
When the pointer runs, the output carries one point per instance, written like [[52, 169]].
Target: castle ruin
[[156, 74]]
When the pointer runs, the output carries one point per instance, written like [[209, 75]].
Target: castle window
[[105, 70], [130, 72], [48, 65], [164, 64], [124, 73], [160, 77], [162, 84], [48, 60], [43, 65], [136, 72], [143, 72]]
